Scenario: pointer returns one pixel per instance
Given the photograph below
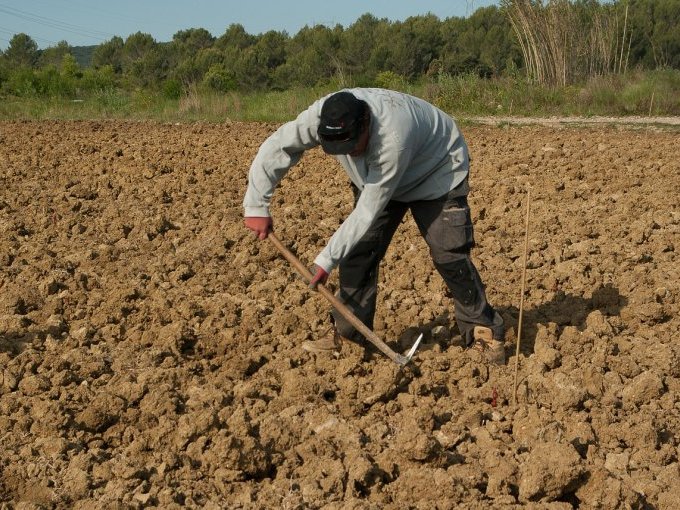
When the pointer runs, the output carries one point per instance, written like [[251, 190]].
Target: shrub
[[22, 82], [98, 79], [219, 79], [172, 89], [390, 80]]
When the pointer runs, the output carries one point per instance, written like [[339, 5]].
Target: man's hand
[[320, 277], [261, 225]]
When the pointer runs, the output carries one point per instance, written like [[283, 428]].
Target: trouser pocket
[[447, 228]]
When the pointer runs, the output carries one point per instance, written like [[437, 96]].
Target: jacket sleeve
[[281, 151], [384, 174]]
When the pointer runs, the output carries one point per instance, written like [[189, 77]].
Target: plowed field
[[149, 344]]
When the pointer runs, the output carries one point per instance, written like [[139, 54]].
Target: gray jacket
[[415, 152]]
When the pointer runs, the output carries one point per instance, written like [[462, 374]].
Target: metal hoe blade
[[403, 360]]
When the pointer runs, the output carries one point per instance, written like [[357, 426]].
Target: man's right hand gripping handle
[[261, 225]]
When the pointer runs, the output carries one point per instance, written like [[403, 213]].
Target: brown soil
[[149, 345]]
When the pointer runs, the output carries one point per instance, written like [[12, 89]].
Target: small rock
[[549, 357], [55, 325], [143, 498], [442, 438], [617, 463], [8, 381], [564, 391], [496, 416], [471, 418], [604, 490], [330, 423], [598, 324], [101, 413], [661, 294], [643, 389], [550, 471], [34, 385], [81, 335], [76, 483]]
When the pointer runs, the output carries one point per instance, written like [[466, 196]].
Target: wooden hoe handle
[[337, 304]]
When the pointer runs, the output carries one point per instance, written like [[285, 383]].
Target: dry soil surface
[[149, 344]]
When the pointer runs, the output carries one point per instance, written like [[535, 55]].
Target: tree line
[[554, 41]]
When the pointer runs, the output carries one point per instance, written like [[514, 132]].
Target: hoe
[[343, 309]]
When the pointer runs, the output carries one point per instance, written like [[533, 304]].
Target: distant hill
[[83, 55]]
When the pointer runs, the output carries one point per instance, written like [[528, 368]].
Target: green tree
[[54, 54], [246, 59], [270, 53], [413, 45], [358, 43], [191, 54], [137, 46], [110, 54], [142, 60], [255, 66], [22, 51], [192, 40], [235, 37], [312, 56], [70, 67], [482, 44], [493, 39], [654, 31], [4, 70], [381, 51]]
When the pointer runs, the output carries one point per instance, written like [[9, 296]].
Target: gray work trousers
[[446, 225]]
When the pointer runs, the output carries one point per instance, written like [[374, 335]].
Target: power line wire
[[7, 31], [79, 6], [54, 23]]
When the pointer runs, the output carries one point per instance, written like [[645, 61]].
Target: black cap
[[340, 123]]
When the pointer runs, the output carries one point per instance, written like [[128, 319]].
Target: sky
[[86, 23]]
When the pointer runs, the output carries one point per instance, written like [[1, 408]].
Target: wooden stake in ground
[[521, 298]]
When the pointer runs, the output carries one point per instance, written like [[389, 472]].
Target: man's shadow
[[563, 309]]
